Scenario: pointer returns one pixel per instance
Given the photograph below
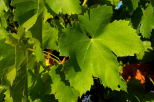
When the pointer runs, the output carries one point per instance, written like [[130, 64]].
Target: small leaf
[[63, 6], [147, 22], [38, 52], [7, 57], [49, 37]]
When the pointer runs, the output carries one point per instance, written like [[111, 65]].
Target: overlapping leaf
[[3, 10], [49, 37], [26, 12], [7, 57], [19, 86], [147, 22], [92, 48], [63, 92], [63, 6], [114, 2], [31, 14]]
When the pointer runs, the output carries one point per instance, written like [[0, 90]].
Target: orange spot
[[140, 77]]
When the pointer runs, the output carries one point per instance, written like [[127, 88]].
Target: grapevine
[[76, 50]]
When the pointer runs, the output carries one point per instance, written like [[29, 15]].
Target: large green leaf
[[93, 51], [7, 57], [147, 22], [92, 58], [64, 6], [62, 91]]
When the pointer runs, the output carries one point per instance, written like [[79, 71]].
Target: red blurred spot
[[137, 71]]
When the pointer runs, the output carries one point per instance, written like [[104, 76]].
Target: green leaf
[[99, 17], [11, 75], [50, 37], [135, 4], [19, 87], [147, 22], [37, 28], [122, 39], [3, 33], [38, 52], [25, 9], [40, 86], [147, 48], [7, 57], [63, 6], [92, 51], [3, 6], [114, 2], [63, 92], [8, 98], [92, 58]]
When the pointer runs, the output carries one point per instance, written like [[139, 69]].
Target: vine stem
[[48, 53], [58, 61], [151, 80], [84, 2]]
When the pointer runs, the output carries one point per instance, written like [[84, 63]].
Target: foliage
[[91, 35]]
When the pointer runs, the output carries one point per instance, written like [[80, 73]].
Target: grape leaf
[[93, 50], [122, 39], [99, 18], [38, 52], [7, 57], [3, 33], [49, 37], [19, 88], [147, 48], [147, 22], [11, 75], [92, 58], [63, 92], [3, 6], [8, 98], [37, 28], [63, 6], [40, 87], [3, 10], [25, 10]]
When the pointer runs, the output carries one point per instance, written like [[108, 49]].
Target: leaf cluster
[[93, 34]]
